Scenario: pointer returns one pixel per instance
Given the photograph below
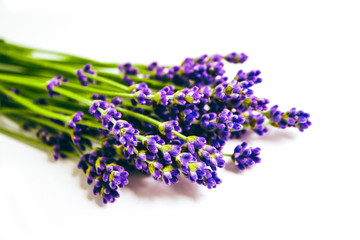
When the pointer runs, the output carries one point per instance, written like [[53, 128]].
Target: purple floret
[[245, 157]]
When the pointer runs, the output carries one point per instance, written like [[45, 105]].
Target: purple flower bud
[[54, 82], [291, 118], [245, 157], [80, 73], [166, 128], [152, 65], [236, 58], [170, 175], [98, 97], [128, 69], [151, 142], [116, 101], [107, 176]]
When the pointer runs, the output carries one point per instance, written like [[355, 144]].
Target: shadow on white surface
[[77, 173], [146, 187], [231, 167], [273, 135]]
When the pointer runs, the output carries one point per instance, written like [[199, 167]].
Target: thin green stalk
[[152, 82], [74, 96], [50, 124], [63, 55], [93, 90], [19, 113], [149, 120], [81, 99], [226, 154], [139, 116], [30, 105], [108, 81], [122, 110], [60, 69], [20, 80], [33, 141]]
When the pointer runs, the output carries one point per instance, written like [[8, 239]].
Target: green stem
[[47, 122], [74, 96], [60, 68], [37, 62], [108, 81], [81, 99], [153, 83], [91, 124], [93, 90], [22, 81], [24, 138], [139, 116], [50, 124], [226, 154], [33, 141], [59, 109], [149, 120], [64, 55], [30, 105]]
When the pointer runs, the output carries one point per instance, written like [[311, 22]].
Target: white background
[[307, 186]]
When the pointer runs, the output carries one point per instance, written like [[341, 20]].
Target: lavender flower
[[167, 128], [164, 96], [187, 95], [224, 122], [245, 157], [95, 108], [187, 115], [152, 66], [210, 179], [142, 96], [75, 119], [106, 174], [60, 142], [149, 163], [190, 167], [211, 157], [98, 97], [80, 73], [170, 151], [152, 142], [125, 133], [116, 101], [229, 90], [170, 174], [236, 57], [105, 112], [195, 142], [128, 69], [256, 123], [163, 134], [55, 82], [291, 118]]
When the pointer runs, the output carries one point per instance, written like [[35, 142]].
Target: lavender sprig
[[164, 121]]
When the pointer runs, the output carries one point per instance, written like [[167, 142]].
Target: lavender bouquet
[[164, 121]]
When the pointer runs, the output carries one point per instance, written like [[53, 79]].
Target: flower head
[[245, 157], [128, 69], [55, 82], [80, 73], [236, 57], [108, 176], [291, 118], [167, 128]]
